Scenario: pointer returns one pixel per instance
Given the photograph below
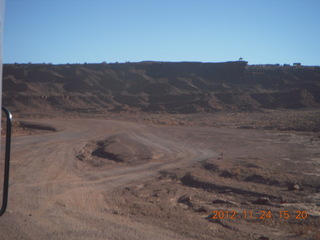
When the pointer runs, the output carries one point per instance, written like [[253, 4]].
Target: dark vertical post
[[7, 162]]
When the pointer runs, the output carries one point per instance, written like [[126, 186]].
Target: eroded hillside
[[184, 87]]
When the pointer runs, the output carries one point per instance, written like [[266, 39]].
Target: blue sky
[[93, 31]]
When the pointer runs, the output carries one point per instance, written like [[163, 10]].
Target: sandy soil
[[129, 178]]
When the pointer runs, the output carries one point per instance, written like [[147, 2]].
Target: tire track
[[51, 184]]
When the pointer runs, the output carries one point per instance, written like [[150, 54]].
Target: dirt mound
[[183, 87], [119, 148], [28, 128], [37, 126]]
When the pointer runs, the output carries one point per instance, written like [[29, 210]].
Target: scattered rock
[[226, 191], [223, 201], [262, 201], [202, 209], [116, 212], [214, 220], [246, 203], [294, 187], [283, 200], [188, 179], [263, 238], [227, 174], [184, 199], [260, 179], [210, 167]]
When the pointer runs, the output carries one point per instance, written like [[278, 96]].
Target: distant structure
[[240, 59], [297, 64]]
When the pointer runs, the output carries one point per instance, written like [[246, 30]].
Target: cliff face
[[184, 87]]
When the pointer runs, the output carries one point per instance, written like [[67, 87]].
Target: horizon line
[[296, 64]]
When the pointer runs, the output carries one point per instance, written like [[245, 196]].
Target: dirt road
[[108, 179], [54, 195]]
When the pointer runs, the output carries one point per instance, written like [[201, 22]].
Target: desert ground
[[224, 175], [163, 150]]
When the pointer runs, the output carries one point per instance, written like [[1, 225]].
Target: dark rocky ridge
[[183, 87]]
